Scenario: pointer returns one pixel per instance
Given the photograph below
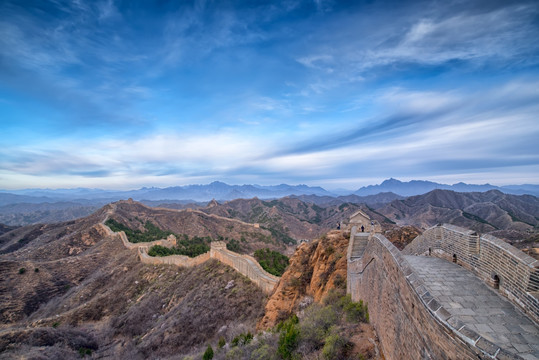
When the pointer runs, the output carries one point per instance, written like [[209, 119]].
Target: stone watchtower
[[363, 223]]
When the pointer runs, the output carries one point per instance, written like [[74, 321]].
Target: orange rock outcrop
[[314, 270]]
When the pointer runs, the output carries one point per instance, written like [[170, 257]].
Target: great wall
[[450, 294], [244, 264]]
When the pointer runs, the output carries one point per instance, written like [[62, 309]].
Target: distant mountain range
[[223, 192], [419, 187], [216, 190], [512, 217], [503, 215]]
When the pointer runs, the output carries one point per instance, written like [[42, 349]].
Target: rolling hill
[[511, 217], [70, 288]]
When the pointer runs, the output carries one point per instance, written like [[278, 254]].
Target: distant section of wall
[[244, 264], [499, 264], [179, 260], [409, 322], [170, 241]]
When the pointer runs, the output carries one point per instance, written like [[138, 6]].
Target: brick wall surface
[[179, 260], [491, 259], [409, 323], [244, 264]]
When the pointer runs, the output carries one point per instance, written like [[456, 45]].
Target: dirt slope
[[195, 223], [84, 291]]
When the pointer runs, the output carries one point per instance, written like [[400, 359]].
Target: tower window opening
[[496, 279]]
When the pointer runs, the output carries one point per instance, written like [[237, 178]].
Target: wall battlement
[[497, 263], [409, 322], [244, 264]]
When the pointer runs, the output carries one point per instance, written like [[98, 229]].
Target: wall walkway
[[478, 307], [408, 325], [412, 323], [244, 264], [497, 263]]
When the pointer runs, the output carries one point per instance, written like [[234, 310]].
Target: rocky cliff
[[314, 270]]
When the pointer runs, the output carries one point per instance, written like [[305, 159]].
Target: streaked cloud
[[111, 94]]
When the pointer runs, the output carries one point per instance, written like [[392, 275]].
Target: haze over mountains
[[221, 191], [30, 206], [418, 187], [511, 217]]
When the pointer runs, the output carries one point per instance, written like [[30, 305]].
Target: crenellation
[[245, 264], [410, 321], [497, 263]]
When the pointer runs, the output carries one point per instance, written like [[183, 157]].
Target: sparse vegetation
[[159, 250], [516, 219], [84, 351], [386, 219], [343, 206], [355, 311], [280, 235], [336, 346], [272, 261], [208, 354], [473, 217], [233, 245], [288, 337], [22, 271], [184, 246], [152, 232], [242, 339], [339, 282], [193, 247], [323, 332], [221, 343]]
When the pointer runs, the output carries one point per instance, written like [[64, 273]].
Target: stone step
[[359, 245]]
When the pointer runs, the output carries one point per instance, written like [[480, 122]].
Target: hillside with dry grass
[[513, 218], [69, 289], [288, 218]]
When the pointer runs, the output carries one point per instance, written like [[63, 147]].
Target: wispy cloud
[[425, 36], [301, 90], [449, 135]]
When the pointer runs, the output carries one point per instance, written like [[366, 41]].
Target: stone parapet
[[244, 264], [169, 242], [178, 260], [410, 323], [497, 263]]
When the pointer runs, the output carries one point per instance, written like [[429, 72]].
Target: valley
[[72, 287]]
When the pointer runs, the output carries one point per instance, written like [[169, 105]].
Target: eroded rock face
[[314, 270]]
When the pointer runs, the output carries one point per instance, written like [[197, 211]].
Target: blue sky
[[124, 94]]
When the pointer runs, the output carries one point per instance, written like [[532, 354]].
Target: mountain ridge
[[418, 187], [223, 192]]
